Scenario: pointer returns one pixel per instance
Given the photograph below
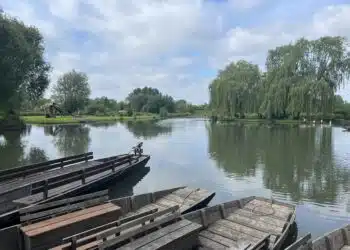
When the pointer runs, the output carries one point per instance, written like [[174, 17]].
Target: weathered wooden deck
[[248, 225]]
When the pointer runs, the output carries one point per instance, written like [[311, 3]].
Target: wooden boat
[[54, 224], [247, 222], [250, 223], [339, 239], [55, 184]]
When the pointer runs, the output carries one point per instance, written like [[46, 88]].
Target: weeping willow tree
[[235, 91], [300, 78]]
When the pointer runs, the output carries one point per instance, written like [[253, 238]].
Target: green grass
[[71, 120], [248, 120]]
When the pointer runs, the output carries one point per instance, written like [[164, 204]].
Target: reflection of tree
[[147, 129], [297, 161], [72, 139], [35, 155], [231, 147], [12, 151], [125, 188]]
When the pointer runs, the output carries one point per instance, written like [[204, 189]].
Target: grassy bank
[[83, 119]]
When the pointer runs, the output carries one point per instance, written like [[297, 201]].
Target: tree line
[[25, 78], [300, 80]]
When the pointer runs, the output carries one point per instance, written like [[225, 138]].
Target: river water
[[306, 166]]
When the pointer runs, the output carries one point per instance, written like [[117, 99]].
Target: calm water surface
[[309, 167]]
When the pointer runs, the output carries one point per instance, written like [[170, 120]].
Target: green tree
[[72, 91], [24, 72], [301, 78], [150, 100]]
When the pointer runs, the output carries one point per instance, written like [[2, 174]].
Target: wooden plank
[[241, 228], [266, 211], [253, 223], [168, 203], [231, 233], [347, 247], [180, 200], [300, 242], [62, 202], [64, 217], [219, 238], [266, 219], [43, 168], [336, 239], [31, 166], [208, 243], [176, 239], [320, 243], [265, 203], [64, 209], [51, 235], [89, 235], [139, 221], [155, 235], [188, 193], [130, 234]]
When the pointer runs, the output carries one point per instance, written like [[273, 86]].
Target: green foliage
[[163, 112], [300, 78], [24, 72], [150, 100], [72, 91]]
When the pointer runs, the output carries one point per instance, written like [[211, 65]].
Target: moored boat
[[79, 220], [338, 239], [248, 223], [59, 183]]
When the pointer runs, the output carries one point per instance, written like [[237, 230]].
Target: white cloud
[[173, 45]]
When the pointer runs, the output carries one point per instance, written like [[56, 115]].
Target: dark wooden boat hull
[[12, 218]]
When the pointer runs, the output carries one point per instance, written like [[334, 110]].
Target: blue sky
[[176, 46]]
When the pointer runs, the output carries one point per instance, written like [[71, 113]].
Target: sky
[[177, 46]]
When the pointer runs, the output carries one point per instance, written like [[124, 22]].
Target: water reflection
[[147, 129], [294, 161], [70, 139], [126, 187], [12, 150]]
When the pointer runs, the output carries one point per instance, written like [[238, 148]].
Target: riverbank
[[84, 119]]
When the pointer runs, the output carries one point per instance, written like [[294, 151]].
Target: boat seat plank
[[65, 217], [208, 243], [219, 238], [50, 234], [169, 203], [231, 233], [110, 242], [162, 237], [266, 210], [266, 219], [261, 226], [241, 228]]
